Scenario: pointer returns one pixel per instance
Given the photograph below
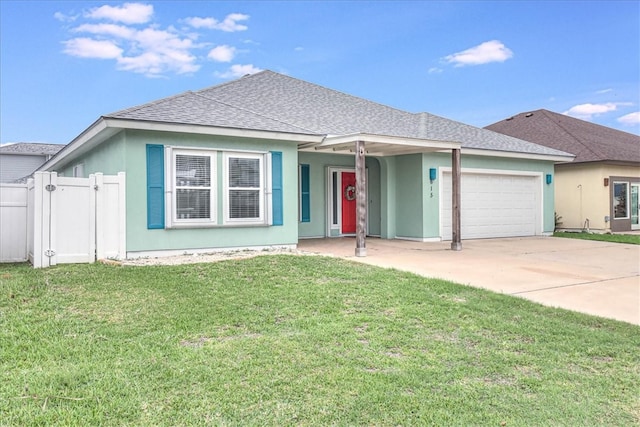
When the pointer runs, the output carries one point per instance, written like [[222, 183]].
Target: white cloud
[[491, 51], [229, 24], [434, 70], [238, 70], [587, 111], [222, 53], [600, 92], [154, 64], [120, 31], [64, 18], [128, 13], [298, 48], [148, 51], [630, 119], [89, 48], [151, 50]]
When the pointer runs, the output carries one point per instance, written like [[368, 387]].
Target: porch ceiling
[[378, 145]]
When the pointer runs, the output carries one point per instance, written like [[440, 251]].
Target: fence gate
[[75, 220]]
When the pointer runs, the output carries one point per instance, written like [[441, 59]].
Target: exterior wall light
[[432, 174], [549, 178]]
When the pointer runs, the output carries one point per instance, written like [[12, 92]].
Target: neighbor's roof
[[31, 149], [269, 101], [588, 141]]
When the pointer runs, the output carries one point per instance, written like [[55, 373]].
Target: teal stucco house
[[267, 159]]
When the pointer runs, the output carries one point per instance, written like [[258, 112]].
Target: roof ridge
[[549, 116], [148, 104], [359, 98], [249, 111]]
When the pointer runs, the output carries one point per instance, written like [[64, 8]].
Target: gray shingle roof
[[588, 141], [31, 148], [274, 102]]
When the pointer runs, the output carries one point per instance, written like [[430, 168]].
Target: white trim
[[264, 192], [332, 140], [378, 145], [448, 169], [517, 155], [171, 193], [211, 130], [268, 189], [631, 207], [204, 251], [330, 224], [92, 136], [105, 127]]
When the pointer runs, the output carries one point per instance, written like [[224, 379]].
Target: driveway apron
[[597, 278]]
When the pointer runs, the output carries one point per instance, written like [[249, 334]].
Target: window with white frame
[[244, 185], [193, 186]]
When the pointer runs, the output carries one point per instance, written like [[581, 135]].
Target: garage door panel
[[493, 206]]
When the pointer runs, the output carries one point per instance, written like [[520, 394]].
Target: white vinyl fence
[[64, 220], [13, 222]]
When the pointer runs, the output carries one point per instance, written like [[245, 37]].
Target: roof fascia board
[[606, 163], [213, 130], [18, 153], [391, 140], [94, 134], [512, 155]]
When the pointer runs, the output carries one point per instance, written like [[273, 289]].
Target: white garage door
[[494, 206]]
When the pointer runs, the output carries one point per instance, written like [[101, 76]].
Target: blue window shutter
[[305, 197], [155, 186], [276, 187]]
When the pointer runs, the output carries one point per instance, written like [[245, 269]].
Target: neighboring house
[[20, 160], [599, 190], [268, 159]]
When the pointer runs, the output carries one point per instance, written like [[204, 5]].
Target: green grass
[[615, 238], [292, 340]]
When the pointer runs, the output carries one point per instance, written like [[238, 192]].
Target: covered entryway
[[496, 204], [362, 145]]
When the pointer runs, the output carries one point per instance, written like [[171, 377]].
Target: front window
[[620, 200], [193, 186], [244, 187]]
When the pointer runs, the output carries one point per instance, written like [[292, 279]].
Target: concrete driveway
[[598, 278]]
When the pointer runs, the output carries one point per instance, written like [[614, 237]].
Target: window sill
[[204, 225]]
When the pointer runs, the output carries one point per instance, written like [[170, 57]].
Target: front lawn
[[295, 340], [615, 238]]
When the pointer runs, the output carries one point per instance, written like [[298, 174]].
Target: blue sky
[[63, 64]]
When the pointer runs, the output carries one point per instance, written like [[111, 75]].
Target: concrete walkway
[[597, 278]]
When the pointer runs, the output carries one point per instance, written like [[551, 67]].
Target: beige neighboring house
[[19, 160], [599, 190]]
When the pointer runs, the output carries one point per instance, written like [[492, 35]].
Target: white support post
[[38, 219], [51, 213], [98, 195], [122, 216]]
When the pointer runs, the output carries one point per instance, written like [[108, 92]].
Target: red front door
[[348, 202]]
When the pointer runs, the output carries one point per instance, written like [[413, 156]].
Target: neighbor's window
[[193, 186], [244, 187], [620, 200], [78, 170]]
